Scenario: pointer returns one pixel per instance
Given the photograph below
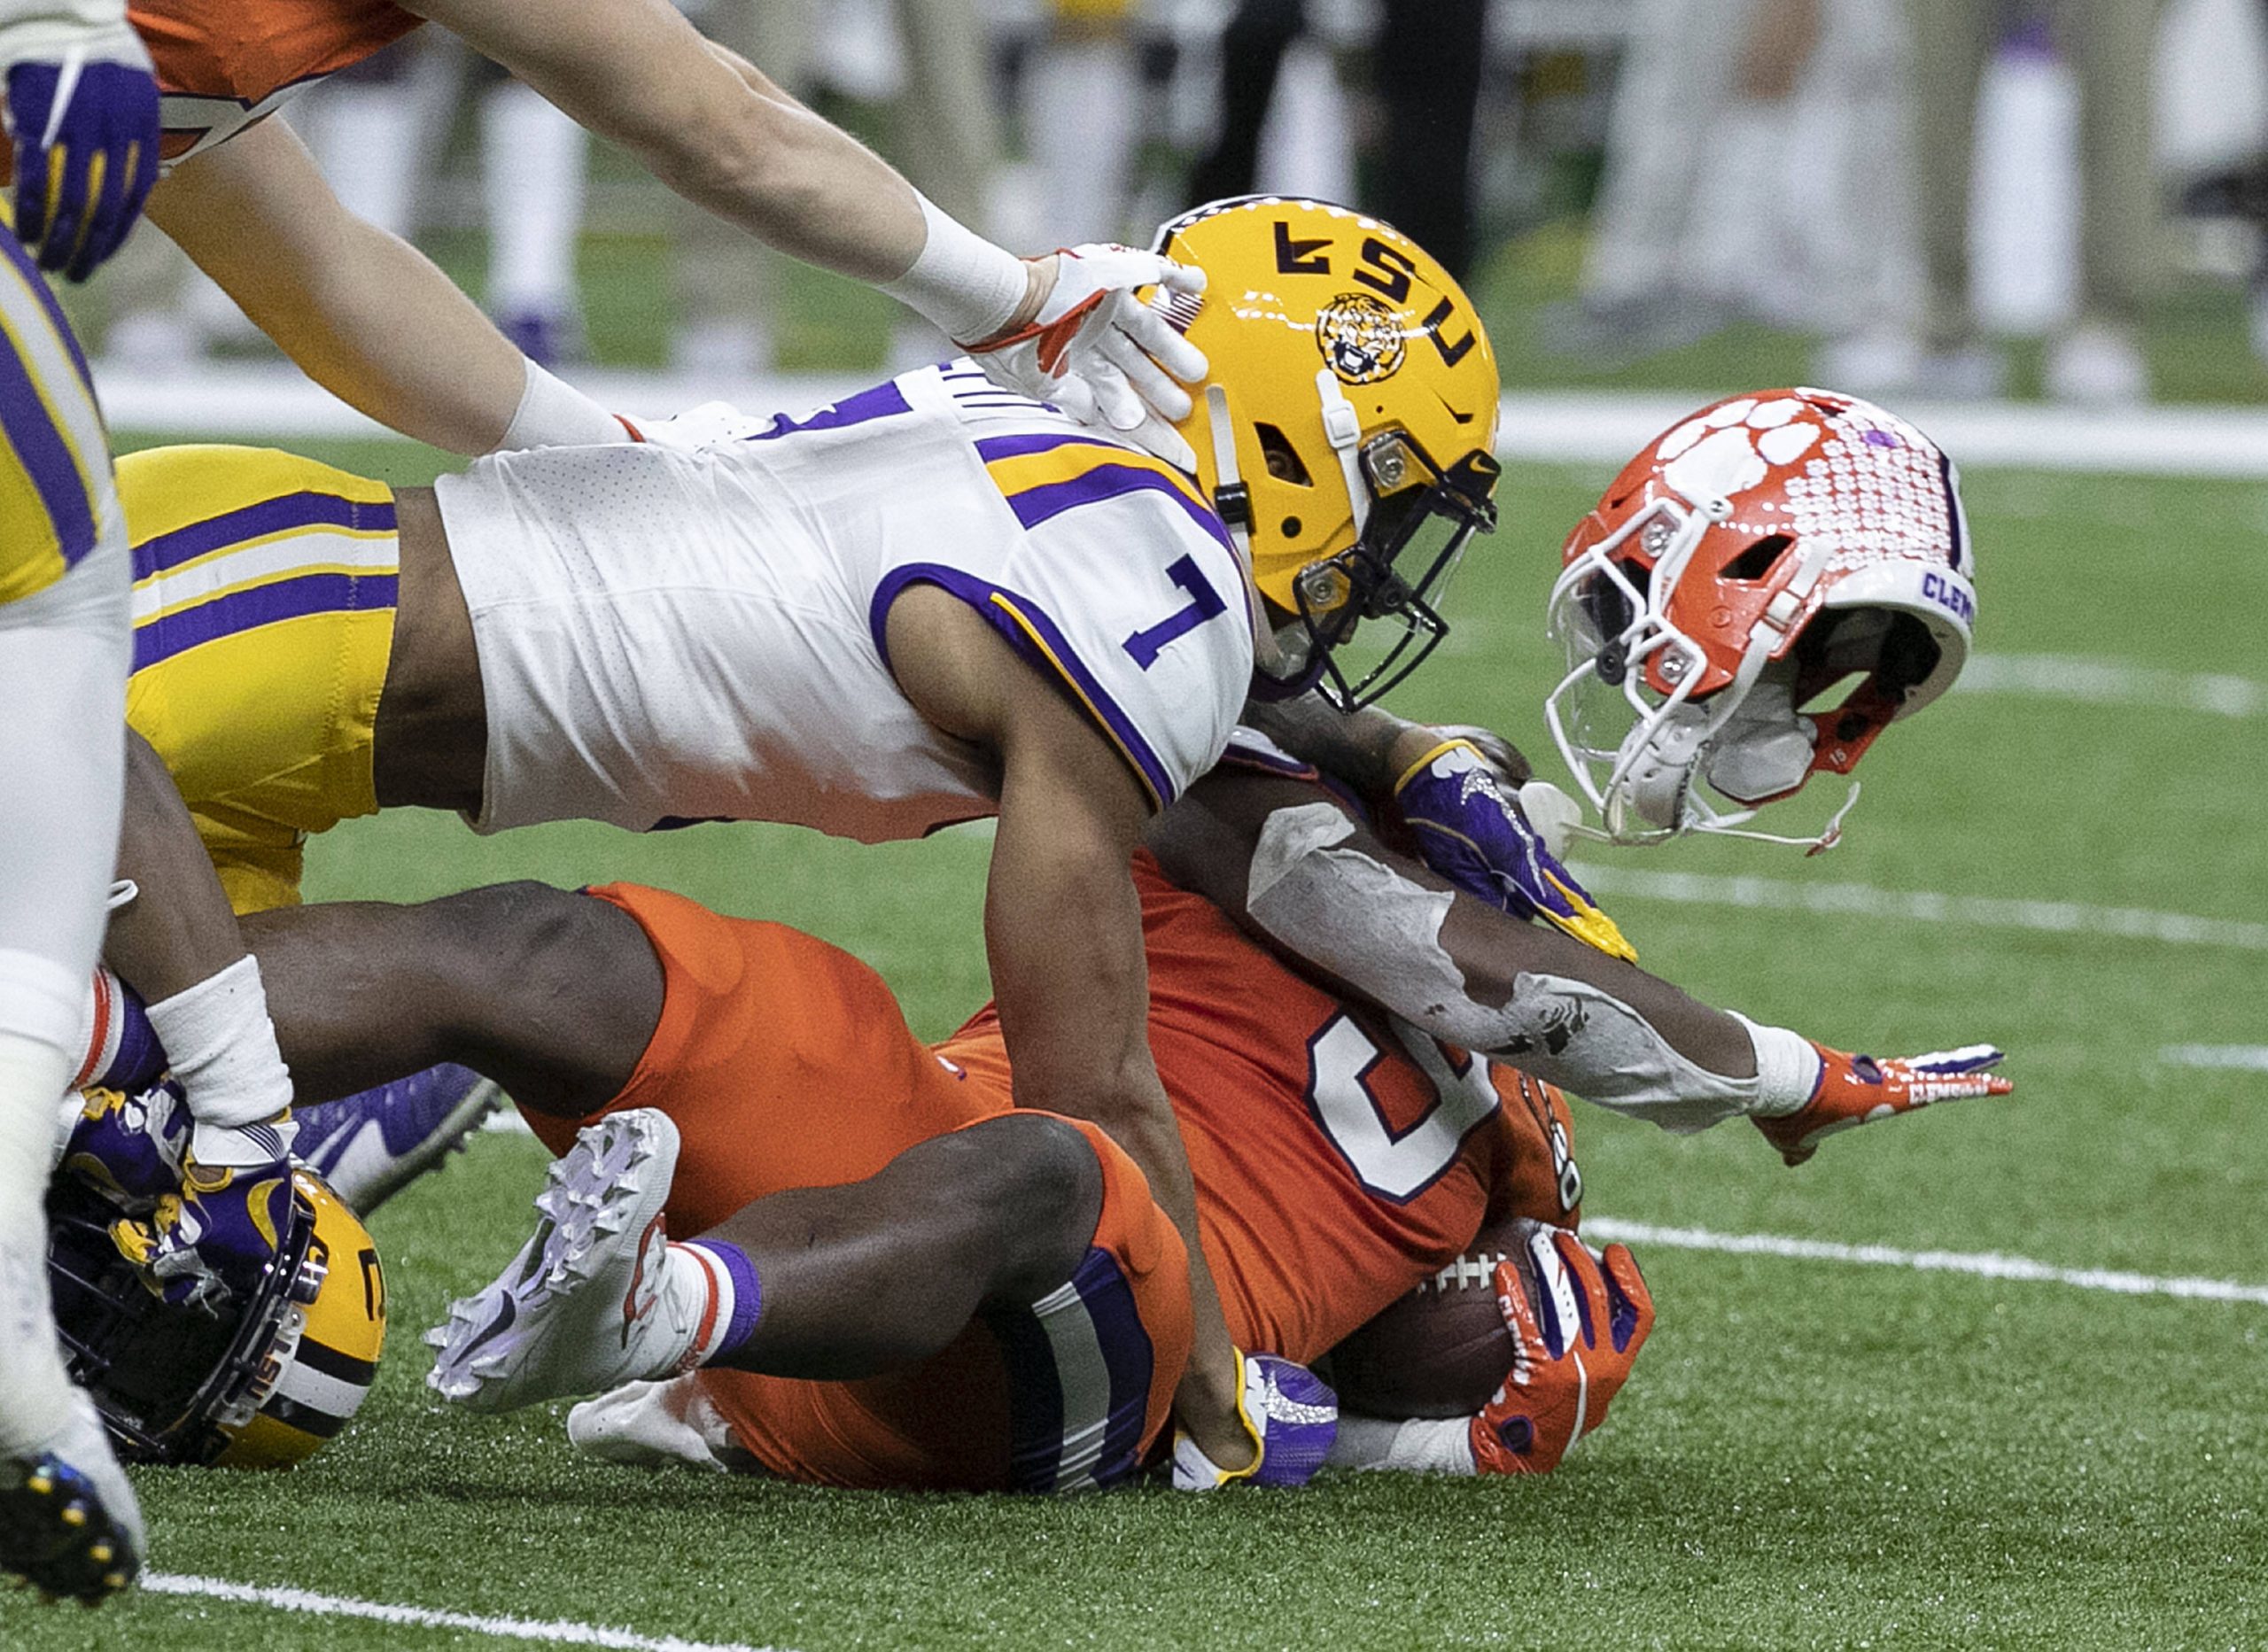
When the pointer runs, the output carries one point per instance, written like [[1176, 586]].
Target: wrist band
[[961, 284], [554, 413]]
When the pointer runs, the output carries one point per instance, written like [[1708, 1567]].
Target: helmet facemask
[[1413, 524], [173, 1382], [1640, 751]]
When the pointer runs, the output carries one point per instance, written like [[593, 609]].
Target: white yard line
[[1583, 427], [2108, 682], [1859, 900], [2237, 1057], [1982, 1264], [551, 1632]]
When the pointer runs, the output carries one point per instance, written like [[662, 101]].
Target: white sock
[[532, 169], [1787, 1069], [222, 1047], [34, 1394]]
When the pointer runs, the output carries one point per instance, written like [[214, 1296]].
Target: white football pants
[[63, 655]]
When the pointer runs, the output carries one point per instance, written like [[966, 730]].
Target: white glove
[[1101, 354]]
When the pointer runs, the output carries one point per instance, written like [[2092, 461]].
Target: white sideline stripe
[[2107, 682], [1982, 1264], [505, 1120], [2238, 1057], [552, 1631], [263, 398], [1984, 911]]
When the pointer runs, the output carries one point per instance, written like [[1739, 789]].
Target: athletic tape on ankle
[[223, 1048], [960, 283]]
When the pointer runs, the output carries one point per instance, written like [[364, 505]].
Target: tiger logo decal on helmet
[[261, 1383], [1348, 435], [1751, 559]]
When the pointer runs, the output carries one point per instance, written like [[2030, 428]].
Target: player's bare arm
[[364, 314], [635, 72], [1299, 869], [1063, 931]]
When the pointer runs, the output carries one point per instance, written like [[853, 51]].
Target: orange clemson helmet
[[1766, 551]]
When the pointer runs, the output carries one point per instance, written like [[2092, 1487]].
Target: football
[[1442, 1350]]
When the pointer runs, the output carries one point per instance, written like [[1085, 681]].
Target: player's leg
[[264, 613], [826, 1282], [67, 1517], [1065, 1392]]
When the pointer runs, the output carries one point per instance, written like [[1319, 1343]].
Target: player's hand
[[1472, 830], [1292, 1415], [128, 1149], [212, 1239], [1569, 1361], [1101, 354], [84, 120], [1858, 1089]]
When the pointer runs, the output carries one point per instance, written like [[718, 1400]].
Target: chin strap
[[1726, 826], [1342, 427]]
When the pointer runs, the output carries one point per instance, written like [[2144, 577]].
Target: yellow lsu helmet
[[261, 1383], [1347, 434]]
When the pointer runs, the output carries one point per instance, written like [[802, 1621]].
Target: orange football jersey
[[1316, 1130], [224, 64]]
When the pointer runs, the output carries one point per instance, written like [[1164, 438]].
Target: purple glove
[[86, 131], [1292, 1416], [1472, 831], [129, 1148], [211, 1242]]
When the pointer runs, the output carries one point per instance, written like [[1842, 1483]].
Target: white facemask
[[1763, 750]]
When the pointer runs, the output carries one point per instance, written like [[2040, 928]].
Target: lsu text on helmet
[[1348, 437], [262, 1382], [1762, 552]]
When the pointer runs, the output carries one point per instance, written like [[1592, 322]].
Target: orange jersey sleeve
[[223, 63], [1339, 1157]]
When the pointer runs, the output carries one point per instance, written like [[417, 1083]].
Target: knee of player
[[1037, 1184], [536, 945]]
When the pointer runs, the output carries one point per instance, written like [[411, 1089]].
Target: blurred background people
[[927, 64], [1897, 197], [2109, 45]]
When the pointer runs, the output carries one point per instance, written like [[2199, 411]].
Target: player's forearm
[[1136, 1114], [386, 332], [706, 123], [1324, 891]]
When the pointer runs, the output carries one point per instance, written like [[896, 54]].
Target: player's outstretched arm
[[1065, 327], [364, 314], [1292, 864], [1063, 933]]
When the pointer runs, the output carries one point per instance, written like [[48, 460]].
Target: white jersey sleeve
[[1123, 587]]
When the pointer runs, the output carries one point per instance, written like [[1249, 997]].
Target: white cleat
[[582, 1308]]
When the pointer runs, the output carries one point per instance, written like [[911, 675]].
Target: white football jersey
[[693, 629]]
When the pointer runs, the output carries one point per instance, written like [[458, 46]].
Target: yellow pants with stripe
[[264, 592], [57, 502]]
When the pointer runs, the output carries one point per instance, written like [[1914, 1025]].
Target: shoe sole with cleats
[[561, 1320]]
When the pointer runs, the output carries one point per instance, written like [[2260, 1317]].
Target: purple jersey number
[[1204, 603]]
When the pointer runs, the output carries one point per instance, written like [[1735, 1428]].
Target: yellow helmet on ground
[[1348, 435], [261, 1383]]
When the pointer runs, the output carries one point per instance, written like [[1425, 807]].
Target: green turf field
[[1809, 1455]]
